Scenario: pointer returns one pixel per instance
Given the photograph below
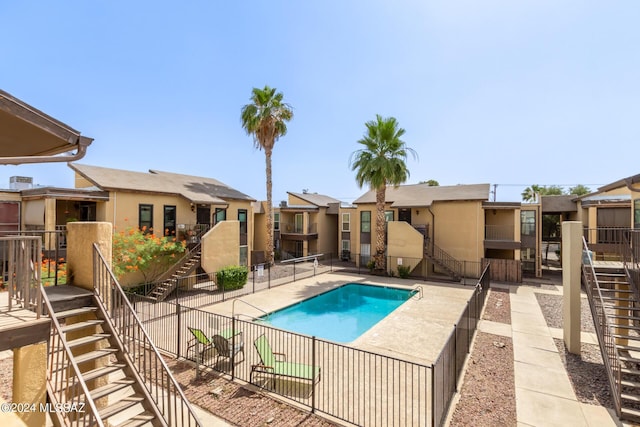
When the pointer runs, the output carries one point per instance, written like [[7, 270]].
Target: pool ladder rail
[[418, 292], [253, 318]]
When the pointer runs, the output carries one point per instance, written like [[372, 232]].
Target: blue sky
[[502, 92]]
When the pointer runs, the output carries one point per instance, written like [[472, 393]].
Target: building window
[[145, 218], [220, 215], [346, 245], [346, 222], [298, 224], [365, 253], [365, 221], [276, 221], [636, 213], [388, 216], [242, 218], [528, 223], [244, 255]]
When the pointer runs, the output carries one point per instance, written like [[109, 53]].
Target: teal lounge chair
[[269, 364]]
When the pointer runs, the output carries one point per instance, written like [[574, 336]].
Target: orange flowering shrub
[[50, 268], [141, 251]]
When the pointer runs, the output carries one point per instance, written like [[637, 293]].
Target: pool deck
[[416, 331]]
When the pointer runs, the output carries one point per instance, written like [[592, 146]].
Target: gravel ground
[[551, 306], [487, 397], [488, 393], [236, 404], [6, 378]]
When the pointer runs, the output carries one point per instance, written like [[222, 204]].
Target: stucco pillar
[[80, 239], [571, 265], [30, 381]]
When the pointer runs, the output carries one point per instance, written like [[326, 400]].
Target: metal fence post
[[233, 348], [455, 354], [269, 272], [255, 270], [313, 364], [294, 271], [178, 312]]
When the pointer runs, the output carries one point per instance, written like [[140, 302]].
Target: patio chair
[[269, 364], [199, 339], [223, 347]]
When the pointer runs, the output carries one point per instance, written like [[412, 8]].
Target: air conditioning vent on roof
[[283, 204], [20, 182]]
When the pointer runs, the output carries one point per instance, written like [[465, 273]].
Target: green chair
[[199, 339], [269, 364]]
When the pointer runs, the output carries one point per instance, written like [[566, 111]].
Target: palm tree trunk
[[380, 258], [267, 155]]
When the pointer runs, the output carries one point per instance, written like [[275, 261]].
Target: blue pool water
[[342, 314]]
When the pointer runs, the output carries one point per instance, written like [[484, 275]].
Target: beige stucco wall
[[327, 242], [122, 209], [259, 228], [80, 239], [404, 242], [30, 381], [459, 229], [220, 246]]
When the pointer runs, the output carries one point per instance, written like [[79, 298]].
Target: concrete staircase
[[451, 266], [622, 309], [104, 366], [169, 281]]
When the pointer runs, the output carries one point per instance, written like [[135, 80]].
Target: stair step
[[82, 325], [629, 337], [87, 340], [620, 316], [630, 360], [629, 383], [622, 291], [112, 387], [627, 347], [120, 406], [631, 397], [75, 312], [93, 355], [630, 371], [139, 420], [628, 413], [99, 372], [623, 326], [622, 307], [616, 299]]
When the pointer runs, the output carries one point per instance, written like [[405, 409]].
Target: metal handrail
[[302, 258], [444, 258], [67, 389], [233, 310], [604, 330], [23, 257], [150, 365], [419, 291]]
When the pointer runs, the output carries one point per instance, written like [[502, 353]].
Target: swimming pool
[[341, 314]]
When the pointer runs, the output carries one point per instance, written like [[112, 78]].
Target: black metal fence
[[353, 385], [448, 366]]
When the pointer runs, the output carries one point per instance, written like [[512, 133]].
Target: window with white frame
[[346, 222]]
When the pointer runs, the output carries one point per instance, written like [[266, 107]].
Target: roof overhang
[[27, 135]]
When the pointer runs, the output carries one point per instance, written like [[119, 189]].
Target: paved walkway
[[544, 395]]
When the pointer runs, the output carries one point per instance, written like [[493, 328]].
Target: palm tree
[[265, 118], [379, 163], [530, 194]]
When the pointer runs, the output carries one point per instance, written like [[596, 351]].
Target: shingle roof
[[422, 195], [195, 189], [315, 199]]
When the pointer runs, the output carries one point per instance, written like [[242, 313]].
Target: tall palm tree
[[379, 163], [530, 194], [265, 118]]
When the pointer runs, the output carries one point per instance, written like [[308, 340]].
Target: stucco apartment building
[[451, 230]]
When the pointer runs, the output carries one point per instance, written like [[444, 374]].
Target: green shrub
[[371, 265], [233, 277], [403, 271]]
